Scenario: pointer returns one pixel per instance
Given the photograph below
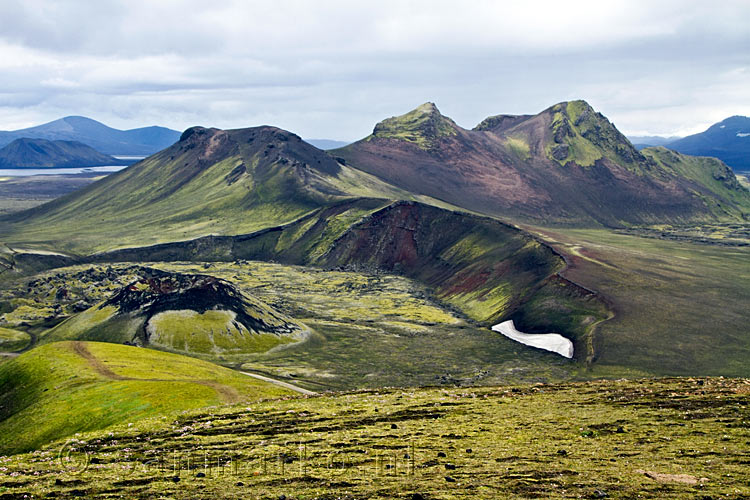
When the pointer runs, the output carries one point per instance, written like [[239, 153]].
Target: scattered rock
[[450, 467], [200, 474], [441, 454], [450, 479], [599, 494], [239, 483], [672, 478], [469, 450], [175, 479], [394, 426], [417, 496]]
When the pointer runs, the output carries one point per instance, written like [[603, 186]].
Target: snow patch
[[548, 341], [742, 134], [722, 126]]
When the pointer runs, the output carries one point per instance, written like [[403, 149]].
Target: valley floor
[[664, 438]]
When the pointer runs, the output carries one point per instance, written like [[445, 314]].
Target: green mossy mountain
[[210, 182], [186, 313], [41, 153], [566, 165]]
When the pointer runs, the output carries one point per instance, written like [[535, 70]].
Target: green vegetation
[[681, 307], [13, 340], [213, 331], [59, 389], [672, 438], [731, 198], [366, 329], [421, 126]]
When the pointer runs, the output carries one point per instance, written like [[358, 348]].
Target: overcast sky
[[332, 69]]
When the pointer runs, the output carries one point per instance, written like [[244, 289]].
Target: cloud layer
[[333, 68]]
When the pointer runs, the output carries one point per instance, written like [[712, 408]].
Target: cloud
[[334, 68]]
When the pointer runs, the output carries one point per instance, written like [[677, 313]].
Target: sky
[[332, 69]]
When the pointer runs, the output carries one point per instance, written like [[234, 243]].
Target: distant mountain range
[[41, 153], [646, 141], [728, 140], [326, 143], [140, 141]]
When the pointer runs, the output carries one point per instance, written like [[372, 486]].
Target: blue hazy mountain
[[107, 140], [41, 153], [645, 141], [728, 140], [326, 143]]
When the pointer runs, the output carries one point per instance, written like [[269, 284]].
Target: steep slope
[[568, 164], [57, 390], [41, 153], [211, 182], [139, 141], [190, 314], [728, 140]]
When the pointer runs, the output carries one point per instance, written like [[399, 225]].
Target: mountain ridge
[[43, 153], [567, 165], [108, 140]]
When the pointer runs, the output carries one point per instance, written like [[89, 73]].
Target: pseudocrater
[[553, 342]]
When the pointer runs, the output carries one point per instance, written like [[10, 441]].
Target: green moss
[[13, 340], [55, 391], [420, 126], [213, 332]]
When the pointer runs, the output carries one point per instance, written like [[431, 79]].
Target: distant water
[[21, 172], [107, 169]]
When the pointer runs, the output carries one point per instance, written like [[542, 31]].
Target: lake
[[22, 172]]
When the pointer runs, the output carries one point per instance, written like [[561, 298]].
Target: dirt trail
[[226, 393], [286, 385]]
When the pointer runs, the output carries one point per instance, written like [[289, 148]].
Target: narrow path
[[286, 385], [226, 393], [9, 354]]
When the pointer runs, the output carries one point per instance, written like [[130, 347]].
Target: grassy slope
[[561, 441], [180, 193], [59, 389], [681, 308], [13, 340]]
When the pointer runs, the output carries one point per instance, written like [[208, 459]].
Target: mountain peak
[[421, 126]]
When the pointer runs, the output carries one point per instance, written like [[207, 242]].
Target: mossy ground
[[669, 438], [13, 340], [680, 307], [367, 330], [63, 388]]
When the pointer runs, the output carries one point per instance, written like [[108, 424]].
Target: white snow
[[548, 341], [722, 126], [742, 134]]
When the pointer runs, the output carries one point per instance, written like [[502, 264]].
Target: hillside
[[568, 165], [728, 140], [185, 313], [210, 182], [63, 388], [139, 141], [664, 438], [41, 153]]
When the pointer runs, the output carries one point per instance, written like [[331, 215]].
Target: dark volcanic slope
[[728, 140], [568, 164], [41, 153], [139, 141]]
